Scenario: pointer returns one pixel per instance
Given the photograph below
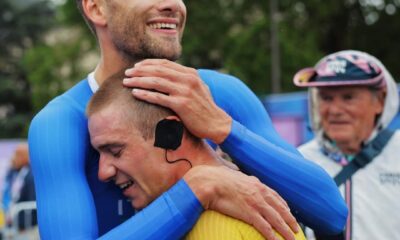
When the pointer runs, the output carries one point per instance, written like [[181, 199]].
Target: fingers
[[273, 210], [264, 227], [153, 97], [164, 62], [172, 81], [280, 205], [160, 68], [277, 222], [155, 83]]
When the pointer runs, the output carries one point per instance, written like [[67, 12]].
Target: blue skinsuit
[[74, 204]]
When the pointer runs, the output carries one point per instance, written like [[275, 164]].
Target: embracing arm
[[57, 151], [66, 210], [258, 149], [250, 138]]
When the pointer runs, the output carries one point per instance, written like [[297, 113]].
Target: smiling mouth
[[164, 26], [126, 185]]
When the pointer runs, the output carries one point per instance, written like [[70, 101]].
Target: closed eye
[[113, 149]]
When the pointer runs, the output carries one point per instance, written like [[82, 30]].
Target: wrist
[[223, 128], [198, 179]]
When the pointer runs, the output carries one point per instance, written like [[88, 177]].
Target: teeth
[[126, 185], [163, 25]]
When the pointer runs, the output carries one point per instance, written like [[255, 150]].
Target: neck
[[201, 154], [349, 148], [111, 61], [205, 155], [197, 155], [354, 145]]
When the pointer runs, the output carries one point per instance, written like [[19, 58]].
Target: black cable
[[177, 160]]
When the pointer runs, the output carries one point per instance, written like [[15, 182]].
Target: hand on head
[[184, 92]]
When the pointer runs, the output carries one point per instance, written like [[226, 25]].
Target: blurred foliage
[[45, 48], [60, 60], [22, 23]]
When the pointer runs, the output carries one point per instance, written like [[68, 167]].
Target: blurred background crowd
[[263, 43]]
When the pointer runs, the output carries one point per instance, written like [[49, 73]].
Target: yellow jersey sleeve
[[216, 226]]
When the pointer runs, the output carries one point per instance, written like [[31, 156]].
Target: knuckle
[[193, 80], [158, 70], [207, 88], [193, 71], [254, 179], [184, 102], [164, 61], [181, 103], [154, 81]]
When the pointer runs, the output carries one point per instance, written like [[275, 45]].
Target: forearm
[[170, 216], [293, 177]]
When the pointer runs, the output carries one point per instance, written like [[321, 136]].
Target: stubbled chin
[[138, 203]]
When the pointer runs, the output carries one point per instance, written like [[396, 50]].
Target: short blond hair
[[139, 114]]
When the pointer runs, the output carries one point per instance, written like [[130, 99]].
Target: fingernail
[[128, 71], [125, 81], [135, 90], [297, 228]]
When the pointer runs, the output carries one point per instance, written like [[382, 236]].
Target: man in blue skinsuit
[[74, 204]]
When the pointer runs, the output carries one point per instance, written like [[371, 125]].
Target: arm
[[263, 154], [276, 162], [59, 141]]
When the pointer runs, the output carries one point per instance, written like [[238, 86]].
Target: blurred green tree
[[228, 35], [21, 25], [65, 56], [234, 35]]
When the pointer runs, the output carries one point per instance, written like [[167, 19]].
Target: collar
[[94, 86]]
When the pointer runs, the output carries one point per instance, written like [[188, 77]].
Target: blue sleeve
[[59, 143], [258, 150], [168, 217]]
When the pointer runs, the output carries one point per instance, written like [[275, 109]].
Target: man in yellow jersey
[[145, 149]]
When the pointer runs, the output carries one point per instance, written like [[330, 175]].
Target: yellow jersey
[[216, 226]]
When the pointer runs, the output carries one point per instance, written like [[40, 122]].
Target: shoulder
[[220, 81], [60, 128], [392, 148], [228, 91], [69, 105], [212, 75]]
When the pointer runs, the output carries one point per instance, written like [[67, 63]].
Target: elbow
[[336, 223], [341, 220]]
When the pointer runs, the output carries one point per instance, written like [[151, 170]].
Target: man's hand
[[242, 197], [180, 89]]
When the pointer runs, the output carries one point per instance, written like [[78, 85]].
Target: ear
[[95, 11], [173, 117], [381, 97]]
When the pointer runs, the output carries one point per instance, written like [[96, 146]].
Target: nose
[[335, 107], [171, 5], [107, 170]]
